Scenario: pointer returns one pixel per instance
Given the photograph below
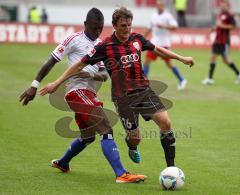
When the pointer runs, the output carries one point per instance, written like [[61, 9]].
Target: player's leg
[[167, 136], [77, 146], [133, 139], [176, 72], [110, 149], [129, 120], [79, 106], [230, 64], [216, 50], [149, 57], [153, 108]]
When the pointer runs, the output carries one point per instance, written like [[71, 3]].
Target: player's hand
[[49, 88], [84, 74], [161, 26], [28, 95], [188, 61]]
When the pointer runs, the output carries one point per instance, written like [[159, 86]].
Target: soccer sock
[[169, 145], [234, 68], [146, 69], [110, 151], [177, 73], [211, 70], [74, 149]]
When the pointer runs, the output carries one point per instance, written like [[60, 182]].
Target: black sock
[[211, 70], [168, 144], [234, 68]]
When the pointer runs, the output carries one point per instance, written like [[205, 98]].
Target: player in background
[[81, 97], [131, 93], [224, 24], [161, 23]]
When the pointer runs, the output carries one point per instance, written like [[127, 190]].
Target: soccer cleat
[[238, 80], [182, 84], [207, 81], [130, 178], [134, 155], [56, 164]]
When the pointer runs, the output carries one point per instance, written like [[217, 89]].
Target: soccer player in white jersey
[[161, 23], [81, 98]]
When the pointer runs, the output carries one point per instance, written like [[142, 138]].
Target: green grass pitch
[[206, 120]]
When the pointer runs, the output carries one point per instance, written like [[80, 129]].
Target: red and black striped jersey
[[122, 61], [223, 35]]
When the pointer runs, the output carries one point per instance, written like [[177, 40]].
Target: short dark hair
[[122, 12], [94, 14]]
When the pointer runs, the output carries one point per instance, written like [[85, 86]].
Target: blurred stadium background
[[204, 118], [199, 14]]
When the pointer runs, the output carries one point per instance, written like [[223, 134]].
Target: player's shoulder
[[136, 35], [167, 13], [98, 41], [154, 15], [106, 41], [71, 38], [230, 14]]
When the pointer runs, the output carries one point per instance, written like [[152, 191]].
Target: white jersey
[[160, 36], [75, 47]]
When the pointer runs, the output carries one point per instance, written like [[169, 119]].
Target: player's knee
[[166, 124], [89, 140]]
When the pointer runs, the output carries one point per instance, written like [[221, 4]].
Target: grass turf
[[205, 119]]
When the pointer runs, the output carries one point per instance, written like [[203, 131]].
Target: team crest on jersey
[[136, 45], [91, 52], [60, 49]]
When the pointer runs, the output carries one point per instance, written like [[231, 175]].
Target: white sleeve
[[64, 48]]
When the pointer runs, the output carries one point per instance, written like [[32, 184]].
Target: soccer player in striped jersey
[[82, 99], [225, 23], [131, 93], [161, 23]]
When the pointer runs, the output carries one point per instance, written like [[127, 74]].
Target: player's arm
[[29, 94], [169, 54], [226, 26], [101, 75], [72, 70], [231, 24], [94, 56], [168, 27]]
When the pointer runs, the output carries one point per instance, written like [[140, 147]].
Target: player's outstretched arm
[[72, 70], [29, 94], [169, 54], [102, 75]]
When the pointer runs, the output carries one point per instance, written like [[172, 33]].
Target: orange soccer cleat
[[130, 178]]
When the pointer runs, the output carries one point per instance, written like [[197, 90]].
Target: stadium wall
[[53, 34]]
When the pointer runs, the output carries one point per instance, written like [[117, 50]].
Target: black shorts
[[220, 49], [144, 102]]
